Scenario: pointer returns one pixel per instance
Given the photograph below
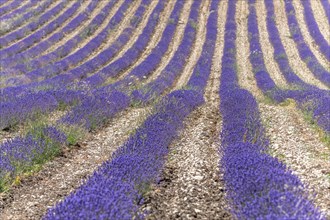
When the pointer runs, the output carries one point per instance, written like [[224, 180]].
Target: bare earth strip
[[100, 28], [307, 37], [321, 19], [246, 77], [133, 37], [177, 38], [191, 186], [267, 48], [156, 37], [293, 141], [297, 65], [291, 138], [196, 52], [70, 35], [33, 18], [46, 23], [125, 23], [61, 176]]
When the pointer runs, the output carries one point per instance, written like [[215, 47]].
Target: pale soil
[[133, 38], [297, 65], [43, 25], [60, 177], [245, 75], [191, 185], [321, 19], [155, 39], [70, 35], [196, 52], [26, 22], [267, 48], [176, 40], [292, 139], [307, 36], [298, 145]]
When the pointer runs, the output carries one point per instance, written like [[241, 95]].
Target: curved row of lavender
[[305, 52], [326, 6], [13, 115], [60, 56], [21, 20], [33, 45], [100, 107], [18, 47], [58, 86], [314, 29], [309, 98], [258, 185], [6, 9], [20, 10], [116, 189]]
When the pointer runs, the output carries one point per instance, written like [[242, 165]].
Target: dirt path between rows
[[321, 19], [292, 139], [61, 176], [191, 186], [297, 65], [267, 48], [307, 36]]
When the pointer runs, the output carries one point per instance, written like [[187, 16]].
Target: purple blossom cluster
[[259, 186], [27, 16], [15, 111], [116, 189], [96, 109], [21, 152], [11, 52], [314, 30], [304, 51], [309, 98]]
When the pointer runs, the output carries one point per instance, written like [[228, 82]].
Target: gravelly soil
[[61, 176]]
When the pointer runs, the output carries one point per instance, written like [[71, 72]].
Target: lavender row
[[116, 189], [27, 16], [52, 68], [22, 153], [258, 185], [314, 30], [113, 69], [20, 10], [79, 113], [202, 70], [13, 5], [167, 77], [96, 108], [304, 51], [309, 98], [16, 53], [100, 61], [119, 184], [32, 26], [326, 7]]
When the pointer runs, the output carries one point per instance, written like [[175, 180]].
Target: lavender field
[[164, 109]]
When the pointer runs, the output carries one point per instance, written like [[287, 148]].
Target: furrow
[[298, 66], [321, 19]]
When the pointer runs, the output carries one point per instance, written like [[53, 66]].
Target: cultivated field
[[154, 109]]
